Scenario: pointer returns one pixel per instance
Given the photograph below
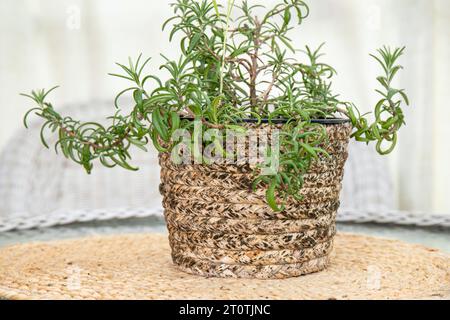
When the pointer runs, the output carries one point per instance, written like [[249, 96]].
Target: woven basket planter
[[219, 227]]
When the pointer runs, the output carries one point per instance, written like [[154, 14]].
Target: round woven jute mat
[[140, 267]]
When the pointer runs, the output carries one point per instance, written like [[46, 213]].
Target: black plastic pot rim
[[282, 121], [328, 121]]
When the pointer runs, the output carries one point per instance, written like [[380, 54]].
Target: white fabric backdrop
[[76, 42]]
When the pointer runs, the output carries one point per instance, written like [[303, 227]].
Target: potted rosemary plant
[[252, 140]]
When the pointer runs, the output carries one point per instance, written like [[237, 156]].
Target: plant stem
[[225, 42], [254, 70]]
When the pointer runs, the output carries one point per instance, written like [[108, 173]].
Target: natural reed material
[[220, 227], [139, 267]]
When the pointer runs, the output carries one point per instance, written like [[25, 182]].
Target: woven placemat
[[140, 267]]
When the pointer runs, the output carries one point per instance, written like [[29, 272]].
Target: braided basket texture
[[219, 227]]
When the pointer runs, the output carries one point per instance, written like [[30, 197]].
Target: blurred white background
[[74, 43]]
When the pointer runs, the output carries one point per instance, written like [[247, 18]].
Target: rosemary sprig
[[227, 73]]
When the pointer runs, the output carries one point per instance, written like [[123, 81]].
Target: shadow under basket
[[219, 227]]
